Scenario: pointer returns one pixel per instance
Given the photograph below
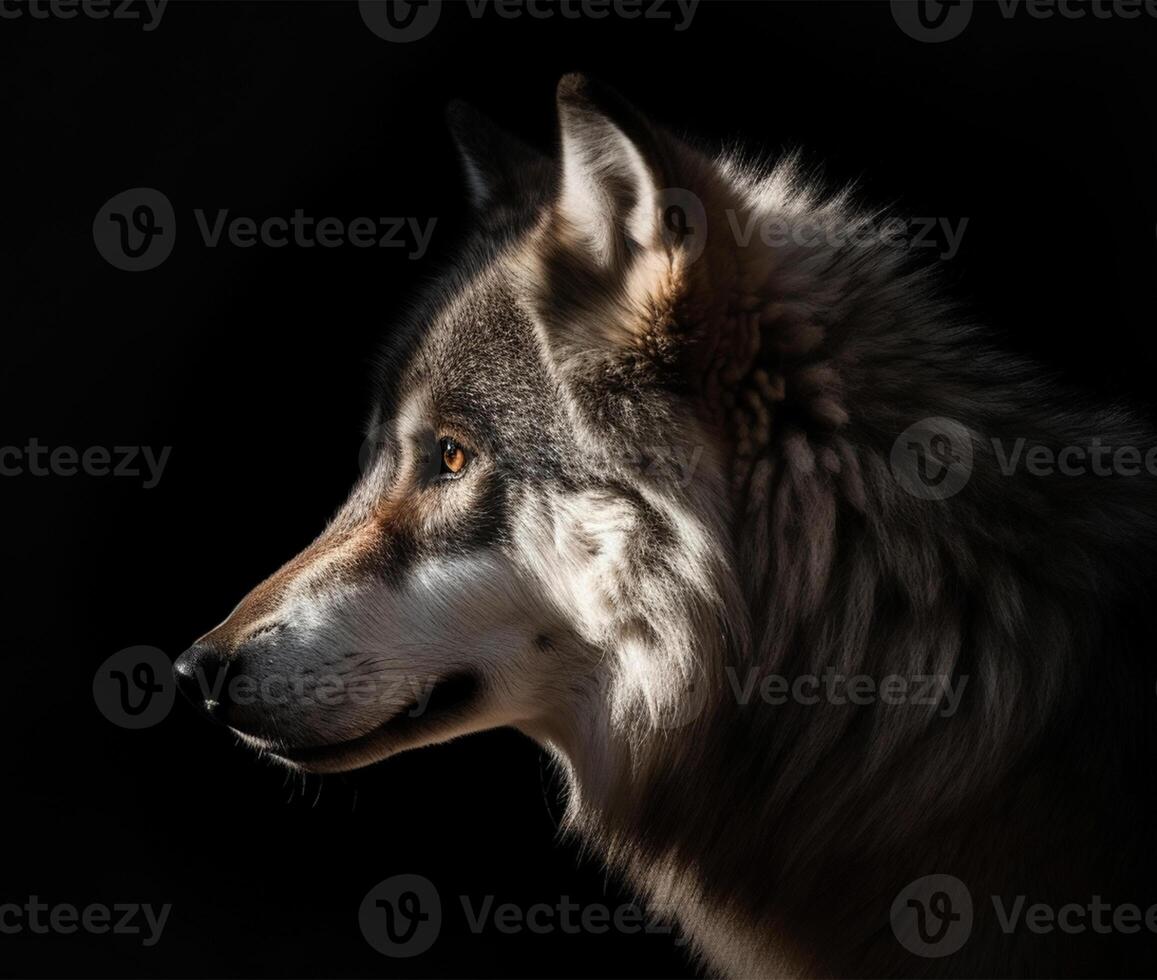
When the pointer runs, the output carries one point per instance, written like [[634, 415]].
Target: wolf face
[[528, 545]]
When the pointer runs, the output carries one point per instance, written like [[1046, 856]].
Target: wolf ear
[[603, 275], [611, 172], [496, 163]]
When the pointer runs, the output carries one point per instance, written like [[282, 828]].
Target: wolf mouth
[[450, 698]]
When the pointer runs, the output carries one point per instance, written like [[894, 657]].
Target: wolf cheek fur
[[553, 583]]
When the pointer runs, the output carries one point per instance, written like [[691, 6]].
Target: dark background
[[253, 364]]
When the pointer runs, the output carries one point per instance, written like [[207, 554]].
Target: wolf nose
[[202, 674]]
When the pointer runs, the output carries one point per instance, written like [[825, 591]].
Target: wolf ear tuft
[[495, 162], [612, 171]]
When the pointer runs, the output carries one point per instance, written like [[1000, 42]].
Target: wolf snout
[[254, 687], [203, 674]]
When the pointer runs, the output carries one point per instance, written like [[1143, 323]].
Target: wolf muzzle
[[203, 675]]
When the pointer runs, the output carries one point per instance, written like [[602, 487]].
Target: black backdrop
[[253, 365]]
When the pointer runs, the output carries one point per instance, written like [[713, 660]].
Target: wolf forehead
[[472, 360]]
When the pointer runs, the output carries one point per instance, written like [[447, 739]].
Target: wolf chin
[[530, 546]]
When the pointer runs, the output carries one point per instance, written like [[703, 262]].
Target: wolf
[[628, 470]]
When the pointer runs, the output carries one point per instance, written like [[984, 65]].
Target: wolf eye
[[454, 459]]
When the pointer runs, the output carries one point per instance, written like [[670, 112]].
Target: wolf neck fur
[[838, 569]]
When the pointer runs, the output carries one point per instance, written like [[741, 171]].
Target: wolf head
[[539, 538]]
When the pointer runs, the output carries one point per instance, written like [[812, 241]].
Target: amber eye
[[454, 458]]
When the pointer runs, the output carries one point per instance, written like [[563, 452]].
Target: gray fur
[[580, 350]]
